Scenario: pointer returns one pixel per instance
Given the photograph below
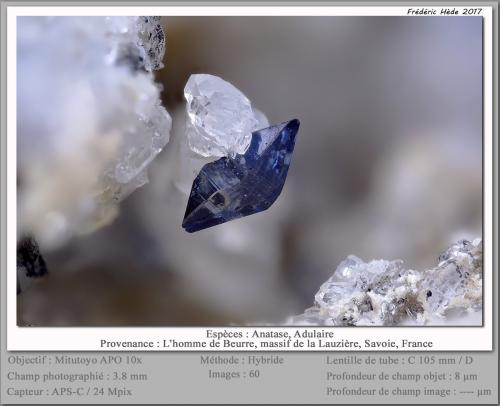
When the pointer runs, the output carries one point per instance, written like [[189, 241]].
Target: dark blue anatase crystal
[[230, 188]]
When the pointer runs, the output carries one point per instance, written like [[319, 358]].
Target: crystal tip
[[266, 161]]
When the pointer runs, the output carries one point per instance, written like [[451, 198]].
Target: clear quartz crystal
[[143, 144], [220, 119], [382, 292], [353, 275], [456, 283], [141, 47]]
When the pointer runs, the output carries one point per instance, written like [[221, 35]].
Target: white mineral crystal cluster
[[89, 119], [384, 293], [220, 118]]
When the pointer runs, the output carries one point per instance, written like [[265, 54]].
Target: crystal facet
[[234, 187], [384, 293], [220, 117]]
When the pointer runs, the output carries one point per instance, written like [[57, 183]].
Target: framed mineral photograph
[[237, 203], [251, 178]]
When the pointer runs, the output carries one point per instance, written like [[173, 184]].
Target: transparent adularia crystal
[[220, 119], [382, 292], [90, 119]]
